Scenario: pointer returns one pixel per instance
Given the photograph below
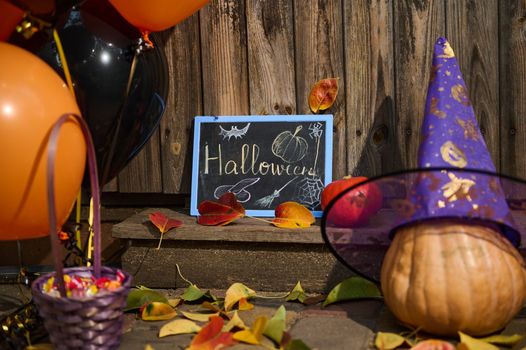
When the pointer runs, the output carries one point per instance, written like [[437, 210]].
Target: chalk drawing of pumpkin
[[290, 147]]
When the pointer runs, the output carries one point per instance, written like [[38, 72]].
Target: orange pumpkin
[[445, 276]]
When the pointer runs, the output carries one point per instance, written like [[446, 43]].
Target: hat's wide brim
[[359, 223]]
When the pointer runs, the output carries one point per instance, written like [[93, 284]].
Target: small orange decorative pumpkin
[[447, 275]]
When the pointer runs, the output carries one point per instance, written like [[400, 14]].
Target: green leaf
[[388, 341], [297, 294], [353, 288], [469, 343], [141, 295], [276, 325], [501, 339], [193, 293], [297, 344]]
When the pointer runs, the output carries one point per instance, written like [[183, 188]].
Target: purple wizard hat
[[455, 179]]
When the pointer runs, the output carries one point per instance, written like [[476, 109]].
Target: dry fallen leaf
[[197, 316], [235, 322], [353, 288], [235, 293], [297, 294], [470, 343], [276, 325], [254, 334], [180, 326], [211, 337], [388, 341], [292, 215], [323, 94], [163, 223], [220, 213], [503, 339], [244, 305], [157, 311]]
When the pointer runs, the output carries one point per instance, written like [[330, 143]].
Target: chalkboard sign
[[263, 160]]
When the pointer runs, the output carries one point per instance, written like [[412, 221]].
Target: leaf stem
[[181, 275], [259, 219], [160, 241], [272, 297]]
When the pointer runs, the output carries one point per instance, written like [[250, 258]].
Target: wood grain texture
[[319, 54], [112, 186], [369, 88], [184, 102], [270, 34], [417, 25], [473, 32], [513, 87], [224, 58], [143, 172]]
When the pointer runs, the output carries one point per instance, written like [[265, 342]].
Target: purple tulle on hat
[[455, 178]]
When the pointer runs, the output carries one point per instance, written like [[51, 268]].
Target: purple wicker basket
[[80, 323]]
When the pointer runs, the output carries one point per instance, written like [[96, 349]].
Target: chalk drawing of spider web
[[308, 192]]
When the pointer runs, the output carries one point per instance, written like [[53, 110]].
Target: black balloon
[[99, 55]]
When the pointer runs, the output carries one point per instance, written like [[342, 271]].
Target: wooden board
[[224, 58], [473, 32], [513, 87], [143, 173], [319, 54], [369, 88], [184, 103], [417, 25], [270, 34]]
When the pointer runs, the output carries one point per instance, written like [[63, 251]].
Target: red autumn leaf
[[210, 337], [292, 215], [323, 94], [163, 223], [220, 213]]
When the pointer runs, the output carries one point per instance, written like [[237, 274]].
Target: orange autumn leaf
[[292, 215], [244, 305], [163, 223], [323, 94], [211, 336], [220, 213]]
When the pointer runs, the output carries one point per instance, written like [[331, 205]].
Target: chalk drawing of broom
[[266, 201]]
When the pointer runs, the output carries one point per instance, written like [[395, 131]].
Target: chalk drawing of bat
[[233, 132]]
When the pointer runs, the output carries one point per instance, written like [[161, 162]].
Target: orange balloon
[[156, 15], [32, 99]]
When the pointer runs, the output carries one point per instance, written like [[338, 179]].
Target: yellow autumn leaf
[[236, 292], [502, 339], [292, 215], [180, 326], [470, 343], [174, 302], [148, 347], [254, 334], [235, 322], [157, 311], [42, 346], [387, 341], [197, 316]]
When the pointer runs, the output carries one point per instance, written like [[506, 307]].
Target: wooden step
[[249, 251]]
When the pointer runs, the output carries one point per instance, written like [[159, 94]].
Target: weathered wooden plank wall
[[262, 56]]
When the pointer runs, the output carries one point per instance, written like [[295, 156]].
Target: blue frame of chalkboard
[[198, 120]]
